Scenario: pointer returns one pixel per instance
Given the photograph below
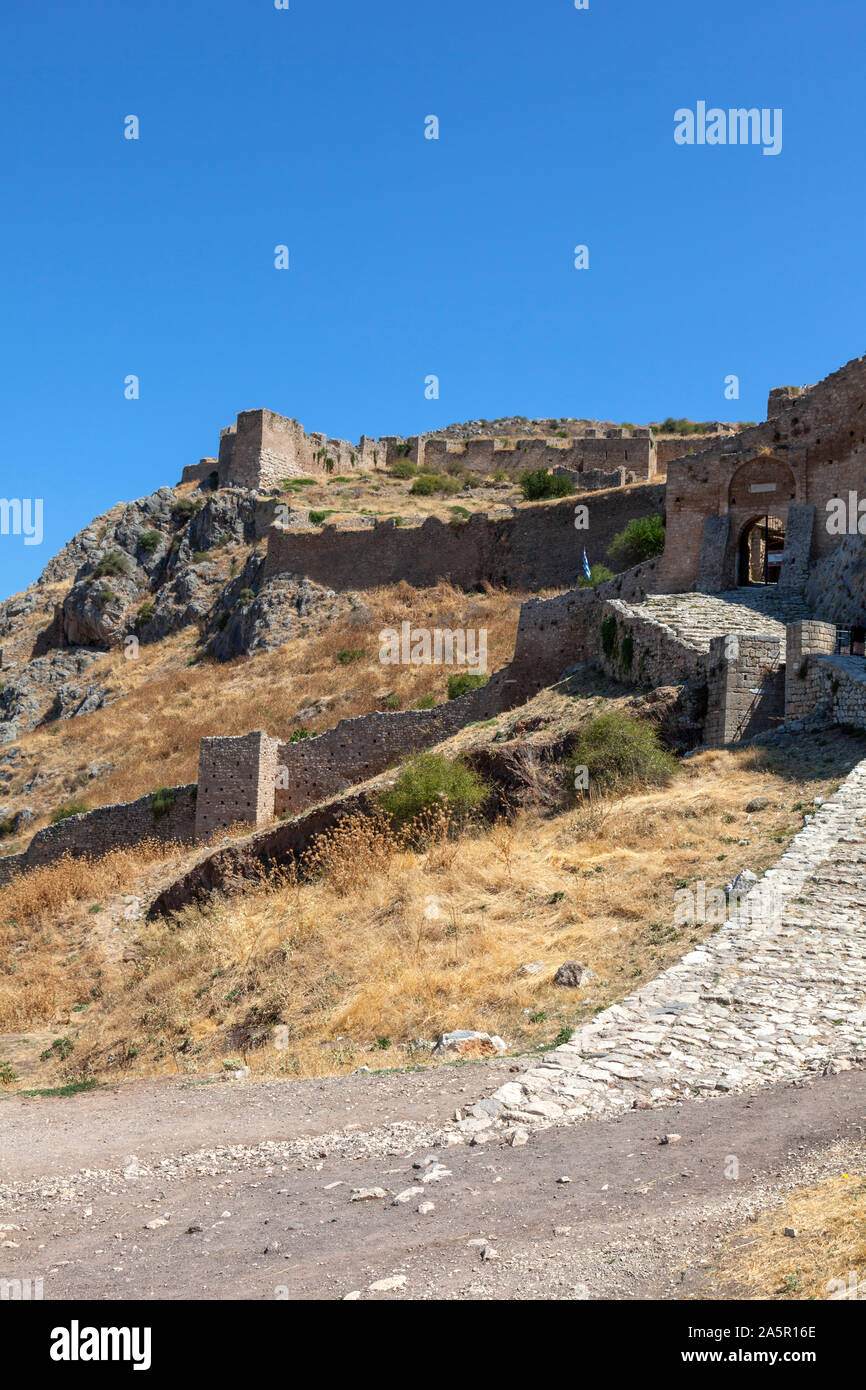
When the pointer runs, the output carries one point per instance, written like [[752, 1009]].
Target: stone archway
[[760, 550]]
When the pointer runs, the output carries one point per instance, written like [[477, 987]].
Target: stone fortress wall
[[527, 547], [811, 449], [262, 448]]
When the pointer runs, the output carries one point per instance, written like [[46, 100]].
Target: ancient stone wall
[[811, 451], [595, 450], [110, 827], [531, 547], [746, 694], [804, 639], [835, 691]]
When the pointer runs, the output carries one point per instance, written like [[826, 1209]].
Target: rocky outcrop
[[48, 683]]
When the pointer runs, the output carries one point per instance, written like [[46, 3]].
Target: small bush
[[621, 753], [429, 782], [73, 808], [106, 595], [112, 562], [462, 684], [350, 654], [538, 483], [643, 537], [318, 517], [404, 468], [186, 508], [298, 735], [426, 484], [246, 596], [597, 575], [161, 802], [144, 614], [199, 556], [59, 1050], [222, 619], [391, 702], [149, 542], [426, 702]]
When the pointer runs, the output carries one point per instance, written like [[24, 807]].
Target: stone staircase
[[696, 618]]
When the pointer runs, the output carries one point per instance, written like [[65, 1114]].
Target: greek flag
[[587, 571]]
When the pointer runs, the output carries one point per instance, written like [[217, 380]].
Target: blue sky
[[409, 256]]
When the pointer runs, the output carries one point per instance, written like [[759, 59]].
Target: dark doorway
[[761, 551]]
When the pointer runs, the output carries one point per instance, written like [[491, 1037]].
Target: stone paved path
[[773, 996], [696, 618]]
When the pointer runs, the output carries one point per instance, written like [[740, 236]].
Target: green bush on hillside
[[537, 483], [642, 538], [620, 754], [430, 781]]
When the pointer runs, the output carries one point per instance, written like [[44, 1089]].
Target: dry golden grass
[[393, 944], [152, 734], [830, 1246]]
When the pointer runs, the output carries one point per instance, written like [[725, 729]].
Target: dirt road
[[239, 1190]]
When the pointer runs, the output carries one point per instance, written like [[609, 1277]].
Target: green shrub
[[6, 828], [199, 556], [59, 1050], [73, 808], [403, 468], [462, 684], [318, 517], [144, 614], [161, 802], [111, 563], [222, 619], [350, 654], [426, 702], [538, 483], [627, 652], [621, 753], [149, 541], [186, 508], [430, 781], [643, 537], [597, 575], [298, 735], [246, 596], [106, 595], [426, 484], [391, 702]]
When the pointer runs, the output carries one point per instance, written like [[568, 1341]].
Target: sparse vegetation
[[621, 753], [112, 563], [462, 683], [431, 782], [642, 538], [72, 808], [537, 484]]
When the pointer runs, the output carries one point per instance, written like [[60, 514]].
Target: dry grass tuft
[[829, 1248]]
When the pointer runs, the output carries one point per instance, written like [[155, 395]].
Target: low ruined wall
[[109, 827], [833, 691], [530, 547], [358, 749], [802, 640]]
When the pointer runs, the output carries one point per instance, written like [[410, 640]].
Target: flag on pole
[[587, 571]]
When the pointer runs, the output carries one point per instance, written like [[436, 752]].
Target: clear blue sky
[[408, 256]]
